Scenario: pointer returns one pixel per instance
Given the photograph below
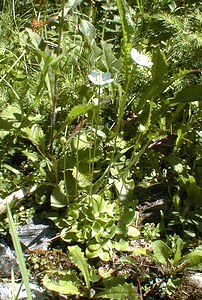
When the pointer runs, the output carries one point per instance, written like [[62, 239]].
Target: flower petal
[[100, 78], [140, 59]]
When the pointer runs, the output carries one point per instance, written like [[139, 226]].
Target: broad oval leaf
[[161, 251], [120, 291], [88, 30], [58, 196], [64, 284]]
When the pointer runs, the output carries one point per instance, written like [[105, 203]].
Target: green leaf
[[94, 277], [128, 216], [5, 125], [109, 231], [108, 58], [98, 205], [189, 94], [127, 29], [190, 233], [124, 188], [77, 258], [129, 260], [154, 90], [10, 168], [34, 38], [83, 179], [126, 20], [175, 162], [161, 251], [121, 245], [61, 282], [12, 114], [120, 291], [160, 65], [143, 251], [96, 229], [92, 246], [194, 192], [97, 250], [19, 253], [81, 142], [193, 259], [70, 4], [133, 232], [178, 252], [88, 30], [77, 111], [58, 196], [35, 135]]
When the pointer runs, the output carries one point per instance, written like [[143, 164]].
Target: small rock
[[190, 287], [150, 211], [7, 259], [38, 293], [153, 200], [36, 235]]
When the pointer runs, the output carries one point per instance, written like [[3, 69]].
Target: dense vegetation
[[101, 113]]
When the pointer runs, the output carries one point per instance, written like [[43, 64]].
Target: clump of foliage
[[87, 120]]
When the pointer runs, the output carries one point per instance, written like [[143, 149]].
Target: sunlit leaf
[[61, 282], [34, 38], [133, 232], [121, 291], [82, 178], [88, 30], [12, 114], [108, 58], [76, 111], [178, 252], [36, 135], [77, 257], [19, 252], [160, 65], [193, 259], [121, 245], [58, 196], [161, 251]]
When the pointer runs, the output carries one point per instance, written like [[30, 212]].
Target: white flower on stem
[[141, 128], [100, 78], [95, 101], [140, 59]]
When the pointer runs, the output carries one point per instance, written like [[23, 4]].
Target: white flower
[[95, 101], [141, 128], [140, 59], [100, 78]]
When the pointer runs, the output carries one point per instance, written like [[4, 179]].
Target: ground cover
[[100, 133]]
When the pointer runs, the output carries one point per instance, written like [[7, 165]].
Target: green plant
[[68, 283], [19, 253], [171, 260], [100, 225], [97, 99]]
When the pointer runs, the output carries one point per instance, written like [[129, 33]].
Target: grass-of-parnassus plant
[[87, 97]]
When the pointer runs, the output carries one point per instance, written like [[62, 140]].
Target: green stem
[[94, 138], [55, 92]]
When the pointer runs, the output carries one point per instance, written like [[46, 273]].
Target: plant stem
[[55, 92]]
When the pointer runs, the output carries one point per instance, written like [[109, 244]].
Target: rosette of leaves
[[100, 225]]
